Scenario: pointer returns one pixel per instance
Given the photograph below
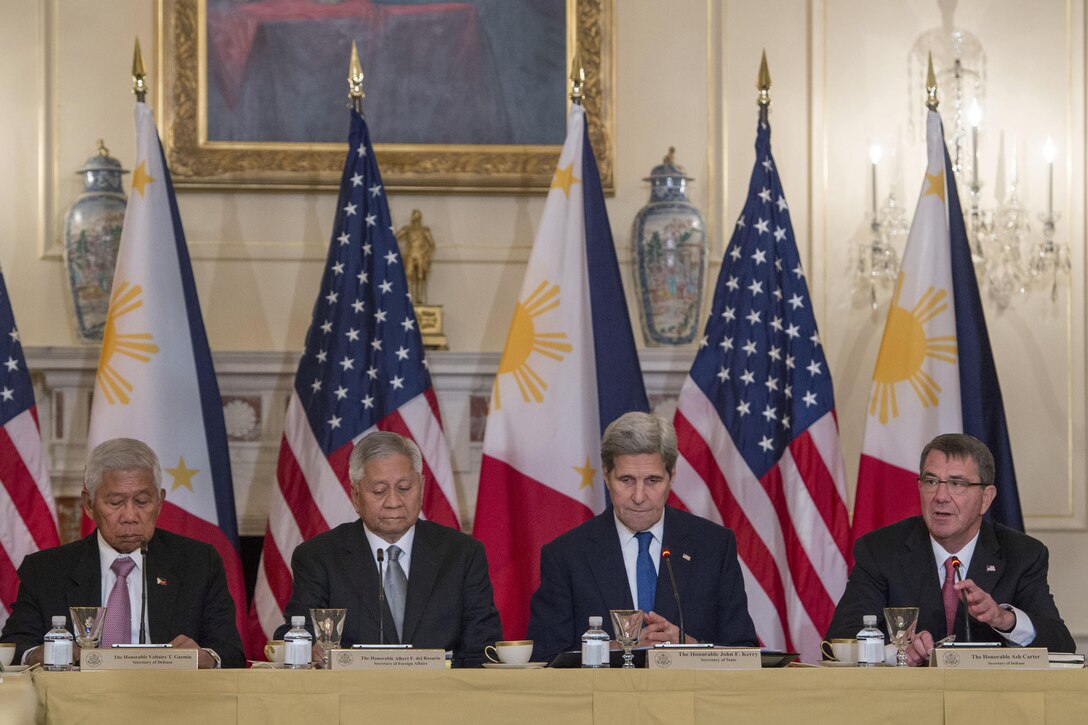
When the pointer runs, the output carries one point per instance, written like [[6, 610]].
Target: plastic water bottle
[[57, 652], [595, 645], [870, 643], [297, 645]]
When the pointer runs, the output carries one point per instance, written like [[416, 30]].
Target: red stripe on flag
[[886, 494], [435, 506], [806, 580], [179, 521], [432, 400], [340, 462], [750, 546], [821, 489], [296, 492], [521, 515], [676, 503], [23, 490], [276, 571], [9, 581]]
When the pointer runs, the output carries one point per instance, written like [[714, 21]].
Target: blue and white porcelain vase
[[668, 241], [92, 234]]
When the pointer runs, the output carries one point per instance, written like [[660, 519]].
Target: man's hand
[[920, 648], [204, 660], [981, 606], [656, 629]]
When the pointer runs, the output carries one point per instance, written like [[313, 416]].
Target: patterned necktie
[[396, 588], [117, 626], [645, 574], [950, 596]]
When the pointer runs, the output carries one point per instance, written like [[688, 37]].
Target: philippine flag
[[568, 370]]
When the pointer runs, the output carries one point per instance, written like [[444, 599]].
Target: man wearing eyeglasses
[[949, 555]]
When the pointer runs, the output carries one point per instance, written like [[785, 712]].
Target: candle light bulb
[[875, 153], [1050, 151], [974, 114]]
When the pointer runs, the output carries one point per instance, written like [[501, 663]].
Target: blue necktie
[[645, 574]]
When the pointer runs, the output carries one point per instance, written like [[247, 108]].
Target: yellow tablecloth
[[18, 701], [570, 697]]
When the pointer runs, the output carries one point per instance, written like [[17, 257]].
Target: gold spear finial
[[139, 85], [931, 86], [355, 79], [577, 78], [763, 82]]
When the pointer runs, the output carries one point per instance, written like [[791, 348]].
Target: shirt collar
[[658, 530], [107, 554], [404, 543], [964, 554]]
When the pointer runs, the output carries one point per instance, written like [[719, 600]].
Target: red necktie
[[949, 595]]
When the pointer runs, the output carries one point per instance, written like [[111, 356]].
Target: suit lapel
[[680, 543], [86, 579], [604, 559], [987, 563], [362, 573], [921, 568], [426, 563], [162, 588]]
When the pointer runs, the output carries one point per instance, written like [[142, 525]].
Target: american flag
[[363, 369], [758, 438], [28, 516]]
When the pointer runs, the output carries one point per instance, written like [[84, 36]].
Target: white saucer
[[509, 666], [15, 668]]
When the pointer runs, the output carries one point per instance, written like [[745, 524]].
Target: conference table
[[572, 697]]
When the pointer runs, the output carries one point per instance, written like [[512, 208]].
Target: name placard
[[983, 658], [387, 659], [138, 659], [704, 658]]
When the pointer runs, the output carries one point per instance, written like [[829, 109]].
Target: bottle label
[[296, 652], [57, 652], [871, 651], [594, 653]]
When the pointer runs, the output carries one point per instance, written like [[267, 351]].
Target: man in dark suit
[[437, 590], [613, 561], [188, 601], [913, 563]]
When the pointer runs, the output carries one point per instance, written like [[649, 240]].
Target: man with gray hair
[[188, 602], [614, 561], [434, 580]]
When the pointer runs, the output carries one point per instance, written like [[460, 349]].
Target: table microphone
[[957, 565], [666, 556], [381, 597], [143, 594]]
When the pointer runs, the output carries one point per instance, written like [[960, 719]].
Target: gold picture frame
[[198, 163]]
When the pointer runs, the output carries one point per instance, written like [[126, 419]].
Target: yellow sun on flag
[[138, 345], [904, 350], [524, 340]]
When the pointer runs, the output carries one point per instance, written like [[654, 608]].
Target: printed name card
[[982, 658], [704, 658], [139, 658], [387, 659]]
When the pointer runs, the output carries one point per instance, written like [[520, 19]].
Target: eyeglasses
[[955, 487]]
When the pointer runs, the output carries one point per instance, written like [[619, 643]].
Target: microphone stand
[[666, 555], [143, 594], [381, 597]]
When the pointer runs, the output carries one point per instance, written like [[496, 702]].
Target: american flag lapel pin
[[991, 567], [160, 581], [686, 557]]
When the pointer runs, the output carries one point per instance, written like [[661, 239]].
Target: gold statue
[[416, 249]]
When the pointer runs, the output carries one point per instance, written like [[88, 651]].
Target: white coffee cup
[[7, 653], [841, 650], [273, 651], [510, 652]]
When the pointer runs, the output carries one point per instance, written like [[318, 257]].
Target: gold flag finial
[[577, 78], [139, 85], [355, 79], [763, 82], [931, 86]]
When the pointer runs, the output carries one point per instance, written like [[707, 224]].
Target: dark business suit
[[186, 594], [894, 566], [582, 574], [450, 604]]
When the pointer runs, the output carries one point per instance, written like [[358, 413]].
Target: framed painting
[[467, 96]]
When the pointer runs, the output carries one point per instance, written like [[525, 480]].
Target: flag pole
[[763, 84], [931, 86], [577, 78], [355, 81], [139, 85]]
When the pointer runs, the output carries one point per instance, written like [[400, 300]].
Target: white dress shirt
[[629, 547], [404, 543], [135, 581]]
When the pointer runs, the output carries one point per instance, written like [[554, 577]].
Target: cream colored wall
[[685, 72]]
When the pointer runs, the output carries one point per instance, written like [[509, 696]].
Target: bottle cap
[[595, 622], [869, 620], [58, 621], [298, 621]]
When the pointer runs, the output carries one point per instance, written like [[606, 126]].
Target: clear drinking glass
[[627, 624], [328, 628], [87, 625], [901, 622]]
